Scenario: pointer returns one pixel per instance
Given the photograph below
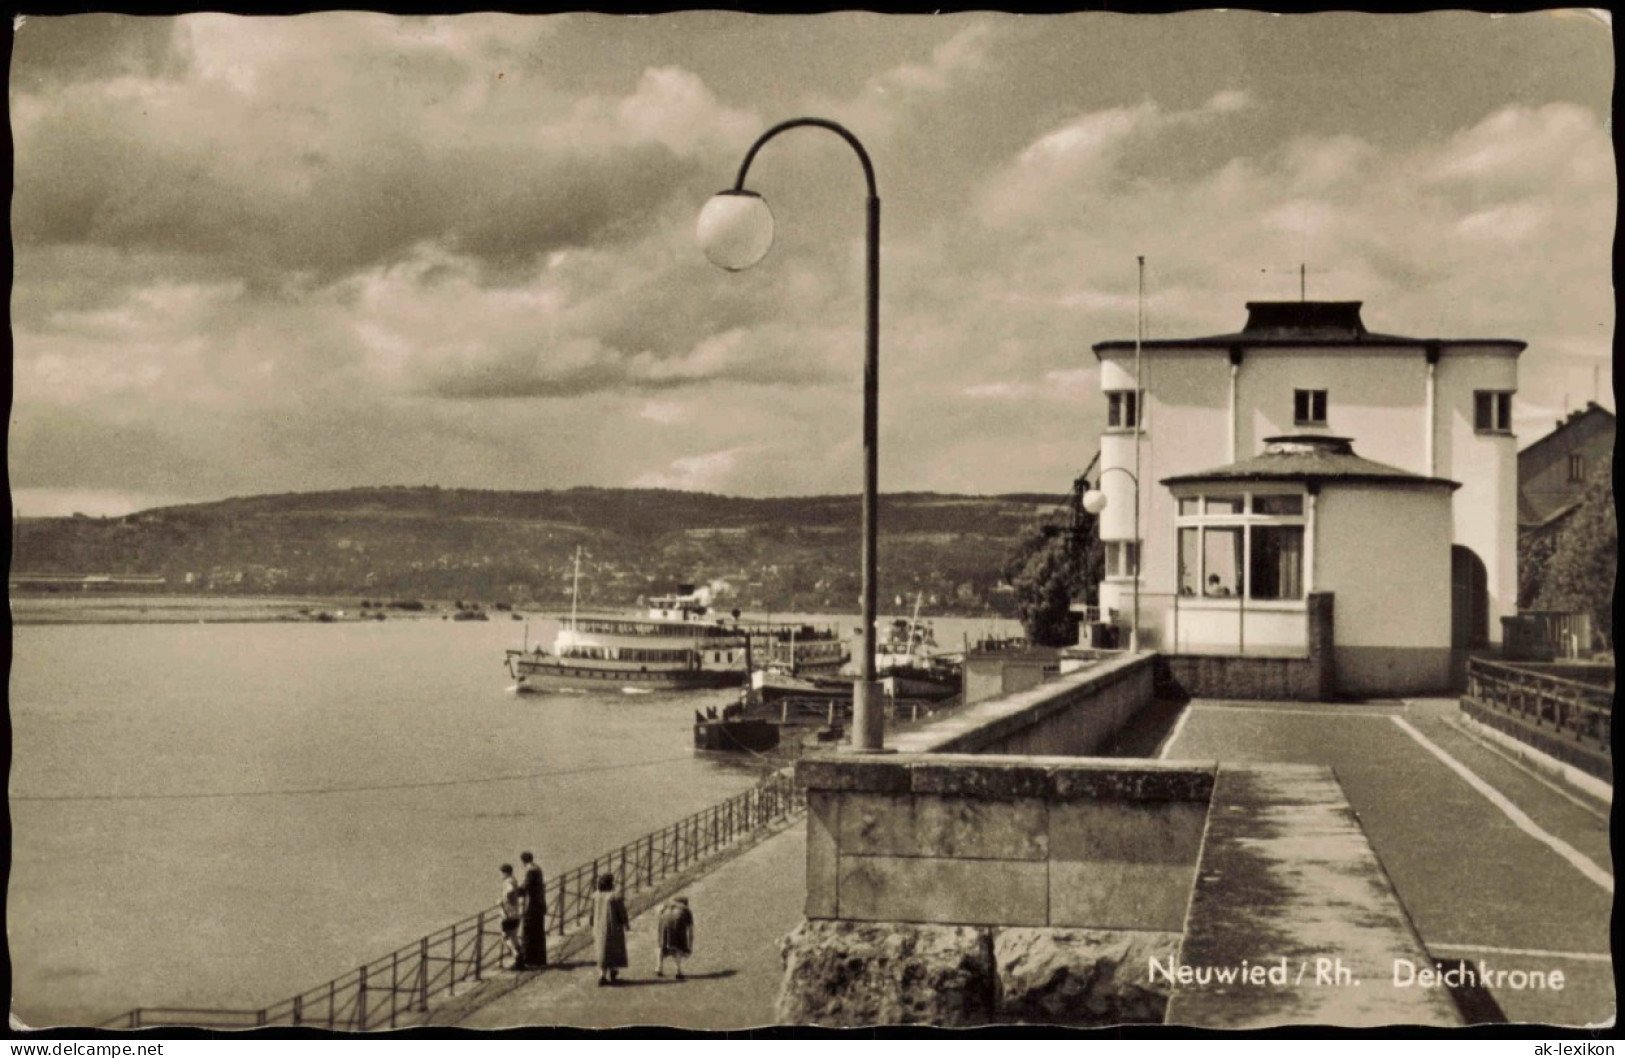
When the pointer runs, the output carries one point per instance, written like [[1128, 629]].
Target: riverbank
[[204, 609]]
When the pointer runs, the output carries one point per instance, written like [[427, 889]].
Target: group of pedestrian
[[524, 925], [524, 916], [674, 939]]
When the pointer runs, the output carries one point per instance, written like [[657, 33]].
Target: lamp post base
[[868, 717]]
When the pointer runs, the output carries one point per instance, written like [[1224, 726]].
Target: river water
[[220, 815]]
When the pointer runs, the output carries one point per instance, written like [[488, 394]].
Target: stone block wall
[[1309, 678], [1038, 888], [979, 840]]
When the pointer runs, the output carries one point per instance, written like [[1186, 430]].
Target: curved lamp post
[[735, 230], [1094, 501]]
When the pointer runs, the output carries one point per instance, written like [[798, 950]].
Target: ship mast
[[575, 590]]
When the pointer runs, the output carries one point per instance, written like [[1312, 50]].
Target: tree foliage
[[1580, 574], [1535, 550], [1053, 566]]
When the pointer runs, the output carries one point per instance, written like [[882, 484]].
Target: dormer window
[[1123, 409], [1309, 407]]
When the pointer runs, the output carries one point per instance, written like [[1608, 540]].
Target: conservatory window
[[1242, 546], [1275, 561], [1221, 561]]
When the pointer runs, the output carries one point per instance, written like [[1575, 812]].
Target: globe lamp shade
[[735, 229], [1094, 501]]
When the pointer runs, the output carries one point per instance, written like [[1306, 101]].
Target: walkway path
[[740, 910], [1506, 870], [1493, 864]]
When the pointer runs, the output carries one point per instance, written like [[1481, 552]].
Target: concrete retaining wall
[[1565, 749], [1075, 714]]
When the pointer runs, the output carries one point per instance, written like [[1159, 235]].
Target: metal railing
[[1582, 711], [394, 990]]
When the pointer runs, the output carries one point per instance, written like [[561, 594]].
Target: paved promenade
[[740, 911], [1492, 863]]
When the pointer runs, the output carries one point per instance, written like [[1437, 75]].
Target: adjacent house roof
[[1593, 415], [1298, 323], [1310, 459]]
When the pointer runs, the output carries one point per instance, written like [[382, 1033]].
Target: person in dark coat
[[609, 921], [676, 935], [533, 925]]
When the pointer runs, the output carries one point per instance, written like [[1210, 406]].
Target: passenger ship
[[676, 646]]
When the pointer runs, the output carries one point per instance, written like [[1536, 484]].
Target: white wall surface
[[1384, 553]]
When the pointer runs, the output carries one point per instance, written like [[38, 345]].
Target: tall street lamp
[[735, 230], [1094, 501]]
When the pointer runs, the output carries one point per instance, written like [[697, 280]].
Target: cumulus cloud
[[1228, 101], [710, 472], [349, 248], [267, 162]]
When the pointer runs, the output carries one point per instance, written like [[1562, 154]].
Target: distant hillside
[[392, 543]]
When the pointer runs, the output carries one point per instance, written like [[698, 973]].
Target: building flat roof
[[1304, 323]]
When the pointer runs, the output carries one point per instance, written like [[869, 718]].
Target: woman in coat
[[609, 922], [676, 936]]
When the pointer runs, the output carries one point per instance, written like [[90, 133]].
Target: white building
[[1391, 484]]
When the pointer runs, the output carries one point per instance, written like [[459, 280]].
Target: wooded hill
[[392, 543]]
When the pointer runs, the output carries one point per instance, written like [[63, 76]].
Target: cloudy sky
[[277, 254]]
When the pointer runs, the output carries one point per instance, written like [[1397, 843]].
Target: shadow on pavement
[[715, 975]]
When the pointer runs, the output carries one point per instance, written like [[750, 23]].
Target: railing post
[[423, 974], [394, 985], [298, 1009], [361, 1002], [479, 946], [332, 1003], [620, 876]]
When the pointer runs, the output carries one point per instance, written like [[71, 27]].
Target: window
[[1190, 562], [1275, 562], [1492, 411], [1232, 549], [1221, 561], [1123, 409], [1309, 407], [1577, 466], [1122, 558], [1277, 504]]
